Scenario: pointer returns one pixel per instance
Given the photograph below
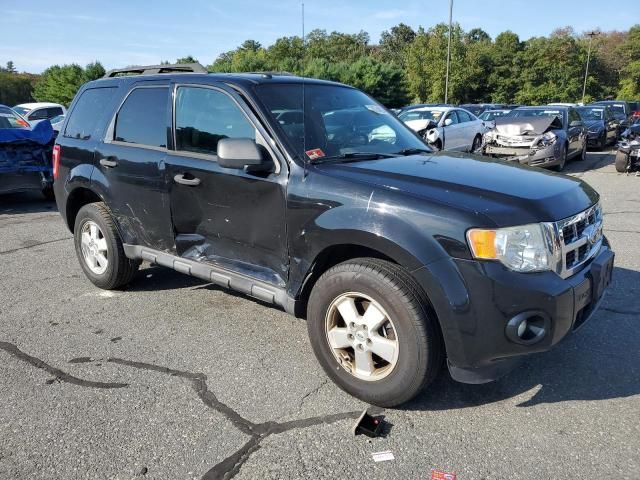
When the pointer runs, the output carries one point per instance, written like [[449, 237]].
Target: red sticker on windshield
[[315, 153]]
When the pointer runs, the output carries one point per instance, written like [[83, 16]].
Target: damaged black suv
[[310, 195]]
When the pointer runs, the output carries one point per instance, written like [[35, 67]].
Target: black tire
[[120, 269], [563, 161], [603, 141], [420, 350], [48, 194], [582, 156], [622, 162], [477, 141]]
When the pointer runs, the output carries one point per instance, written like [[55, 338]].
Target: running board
[[220, 276]]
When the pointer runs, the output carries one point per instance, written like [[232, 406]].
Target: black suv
[[310, 195]]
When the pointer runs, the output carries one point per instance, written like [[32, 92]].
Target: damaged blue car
[[25, 155]]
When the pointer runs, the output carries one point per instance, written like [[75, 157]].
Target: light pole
[[586, 72], [446, 81]]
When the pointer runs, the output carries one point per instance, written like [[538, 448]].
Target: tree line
[[409, 65]]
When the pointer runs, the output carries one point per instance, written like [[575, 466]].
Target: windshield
[[490, 115], [336, 121], [421, 115], [21, 110], [591, 113], [535, 112], [475, 109], [9, 120]]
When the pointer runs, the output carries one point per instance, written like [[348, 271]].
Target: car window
[[573, 116], [22, 110], [463, 116], [9, 120], [421, 115], [53, 112], [452, 115], [593, 113], [142, 119], [39, 114], [205, 116], [88, 111]]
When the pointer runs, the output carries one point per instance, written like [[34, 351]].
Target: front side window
[[453, 117], [204, 116], [54, 112], [142, 119], [40, 114]]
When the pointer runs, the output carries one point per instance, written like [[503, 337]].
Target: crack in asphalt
[[231, 465], [6, 252], [13, 350]]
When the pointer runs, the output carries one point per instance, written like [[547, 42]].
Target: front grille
[[580, 239]]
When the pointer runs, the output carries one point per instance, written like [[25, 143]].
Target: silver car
[[544, 136], [446, 128]]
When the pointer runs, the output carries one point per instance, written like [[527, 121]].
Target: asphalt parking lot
[[174, 378]]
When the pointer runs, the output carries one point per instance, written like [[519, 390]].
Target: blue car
[[25, 154]]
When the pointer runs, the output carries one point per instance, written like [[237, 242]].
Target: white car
[[57, 122], [446, 128], [36, 112]]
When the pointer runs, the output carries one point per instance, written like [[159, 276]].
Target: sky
[[40, 33]]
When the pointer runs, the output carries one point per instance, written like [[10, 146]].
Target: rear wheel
[[603, 141], [622, 162], [47, 192], [99, 248], [372, 331]]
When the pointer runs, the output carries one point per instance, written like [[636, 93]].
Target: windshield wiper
[[354, 157], [413, 151]]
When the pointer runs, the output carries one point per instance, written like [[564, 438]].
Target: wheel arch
[[78, 198]]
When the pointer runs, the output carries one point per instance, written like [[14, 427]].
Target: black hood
[[518, 126], [507, 193]]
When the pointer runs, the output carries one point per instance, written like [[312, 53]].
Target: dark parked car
[[602, 125], [542, 136], [398, 257], [621, 111]]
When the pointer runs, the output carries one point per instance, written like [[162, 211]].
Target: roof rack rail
[[155, 69], [269, 74]]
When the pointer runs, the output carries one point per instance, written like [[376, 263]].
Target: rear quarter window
[[88, 111]]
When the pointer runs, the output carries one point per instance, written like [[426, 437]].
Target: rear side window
[[142, 119], [54, 112], [88, 111], [39, 114], [204, 116]]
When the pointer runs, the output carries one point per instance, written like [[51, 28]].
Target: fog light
[[527, 328]]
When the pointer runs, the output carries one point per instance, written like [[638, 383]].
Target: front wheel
[[563, 159], [477, 142], [99, 248], [622, 161], [372, 331]]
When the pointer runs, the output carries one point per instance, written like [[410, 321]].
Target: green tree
[[59, 84], [93, 71], [394, 43], [16, 88], [11, 67], [187, 59]]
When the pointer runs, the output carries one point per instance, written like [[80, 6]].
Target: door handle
[[191, 182], [106, 162]]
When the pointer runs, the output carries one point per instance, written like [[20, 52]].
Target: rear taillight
[[22, 123], [56, 161]]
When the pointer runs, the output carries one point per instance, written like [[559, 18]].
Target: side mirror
[[448, 122], [239, 153], [576, 123]]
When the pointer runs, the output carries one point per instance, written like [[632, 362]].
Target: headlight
[[547, 139], [522, 249]]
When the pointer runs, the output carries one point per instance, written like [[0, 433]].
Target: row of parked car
[[544, 136]]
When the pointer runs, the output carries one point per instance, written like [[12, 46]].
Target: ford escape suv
[[310, 195]]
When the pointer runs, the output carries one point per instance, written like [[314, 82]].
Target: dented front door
[[227, 217]]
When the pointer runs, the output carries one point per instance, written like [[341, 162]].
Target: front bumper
[[539, 157], [485, 296]]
